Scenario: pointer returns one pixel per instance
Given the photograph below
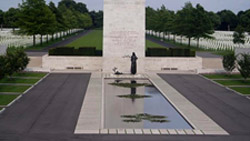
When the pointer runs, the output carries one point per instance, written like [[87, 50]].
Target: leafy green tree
[[215, 19], [244, 65], [10, 18], [97, 18], [1, 19], [229, 62], [35, 18], [229, 20], [150, 19], [202, 25], [239, 37], [245, 20]]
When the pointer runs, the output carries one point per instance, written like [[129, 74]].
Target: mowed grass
[[153, 45], [19, 80], [93, 39], [17, 89], [223, 76], [233, 82], [6, 99], [241, 90], [30, 74]]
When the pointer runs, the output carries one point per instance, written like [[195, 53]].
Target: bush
[[71, 51], [244, 66], [172, 52], [229, 62], [15, 60]]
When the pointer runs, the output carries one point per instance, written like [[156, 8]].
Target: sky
[[209, 5]]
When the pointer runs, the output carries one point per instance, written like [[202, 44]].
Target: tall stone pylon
[[123, 33]]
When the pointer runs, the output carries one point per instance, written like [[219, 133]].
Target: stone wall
[[172, 63], [71, 62], [123, 65]]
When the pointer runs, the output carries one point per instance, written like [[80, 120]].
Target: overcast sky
[[210, 5]]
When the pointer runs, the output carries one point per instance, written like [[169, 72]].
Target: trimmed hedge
[[169, 52], [71, 51]]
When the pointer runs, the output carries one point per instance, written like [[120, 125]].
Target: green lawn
[[242, 90], [233, 82], [18, 89], [223, 76], [93, 39], [6, 99], [19, 80], [152, 44], [30, 74]]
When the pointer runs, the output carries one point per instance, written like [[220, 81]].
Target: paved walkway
[[230, 110], [50, 111], [58, 44], [50, 108]]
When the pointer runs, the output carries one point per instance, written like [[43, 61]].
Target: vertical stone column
[[124, 33]]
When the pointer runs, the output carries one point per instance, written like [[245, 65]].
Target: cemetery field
[[11, 88], [95, 39], [234, 82]]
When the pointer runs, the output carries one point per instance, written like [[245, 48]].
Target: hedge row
[[169, 52], [71, 51], [91, 51]]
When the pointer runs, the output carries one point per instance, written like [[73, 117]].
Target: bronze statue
[[133, 63]]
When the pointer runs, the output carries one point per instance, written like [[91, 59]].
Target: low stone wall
[[72, 62], [173, 63], [98, 63]]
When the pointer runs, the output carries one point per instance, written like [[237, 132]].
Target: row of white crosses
[[7, 38], [223, 40]]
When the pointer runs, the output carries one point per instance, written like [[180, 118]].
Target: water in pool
[[137, 104]]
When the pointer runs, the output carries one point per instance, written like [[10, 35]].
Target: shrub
[[172, 52], [71, 51], [244, 65], [16, 60], [229, 62]]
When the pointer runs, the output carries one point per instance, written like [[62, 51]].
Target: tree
[[10, 18], [203, 27], [229, 62], [239, 37], [35, 18], [1, 19], [229, 20], [245, 20], [215, 19], [97, 18], [244, 65]]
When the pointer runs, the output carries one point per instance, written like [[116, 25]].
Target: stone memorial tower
[[123, 33]]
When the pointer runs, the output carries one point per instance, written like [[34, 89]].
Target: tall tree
[[229, 20], [35, 18], [203, 27], [97, 18], [215, 19], [10, 18], [1, 19], [244, 18], [239, 37]]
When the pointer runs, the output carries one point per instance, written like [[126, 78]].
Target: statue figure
[[133, 63]]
